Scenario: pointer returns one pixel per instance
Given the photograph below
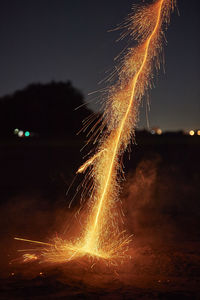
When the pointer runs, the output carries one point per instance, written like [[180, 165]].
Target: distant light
[[198, 132], [27, 134], [153, 132], [159, 132], [191, 132], [16, 130], [20, 133]]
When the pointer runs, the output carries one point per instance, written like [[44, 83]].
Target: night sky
[[69, 40]]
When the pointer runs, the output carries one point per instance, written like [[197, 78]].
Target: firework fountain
[[102, 234]]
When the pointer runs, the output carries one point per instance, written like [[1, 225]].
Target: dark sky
[[44, 40]]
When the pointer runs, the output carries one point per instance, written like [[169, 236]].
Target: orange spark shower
[[102, 236]]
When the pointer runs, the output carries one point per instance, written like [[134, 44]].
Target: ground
[[162, 209]]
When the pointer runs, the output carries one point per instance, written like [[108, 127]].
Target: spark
[[31, 241], [89, 162], [102, 236], [119, 138], [29, 257]]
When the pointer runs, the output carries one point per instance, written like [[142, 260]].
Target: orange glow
[[103, 236], [198, 132]]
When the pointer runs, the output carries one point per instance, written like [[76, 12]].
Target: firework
[[102, 235]]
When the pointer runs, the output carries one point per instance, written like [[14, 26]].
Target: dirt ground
[[154, 272], [162, 209]]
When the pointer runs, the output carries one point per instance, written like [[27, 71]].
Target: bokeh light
[[20, 133], [15, 131], [191, 132], [159, 131], [27, 134]]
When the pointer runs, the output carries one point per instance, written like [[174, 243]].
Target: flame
[[102, 236]]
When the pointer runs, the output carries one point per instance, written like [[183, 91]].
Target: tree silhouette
[[46, 109]]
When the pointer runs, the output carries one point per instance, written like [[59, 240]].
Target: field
[[161, 200]]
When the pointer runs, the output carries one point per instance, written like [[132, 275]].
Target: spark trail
[[127, 92], [102, 235]]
